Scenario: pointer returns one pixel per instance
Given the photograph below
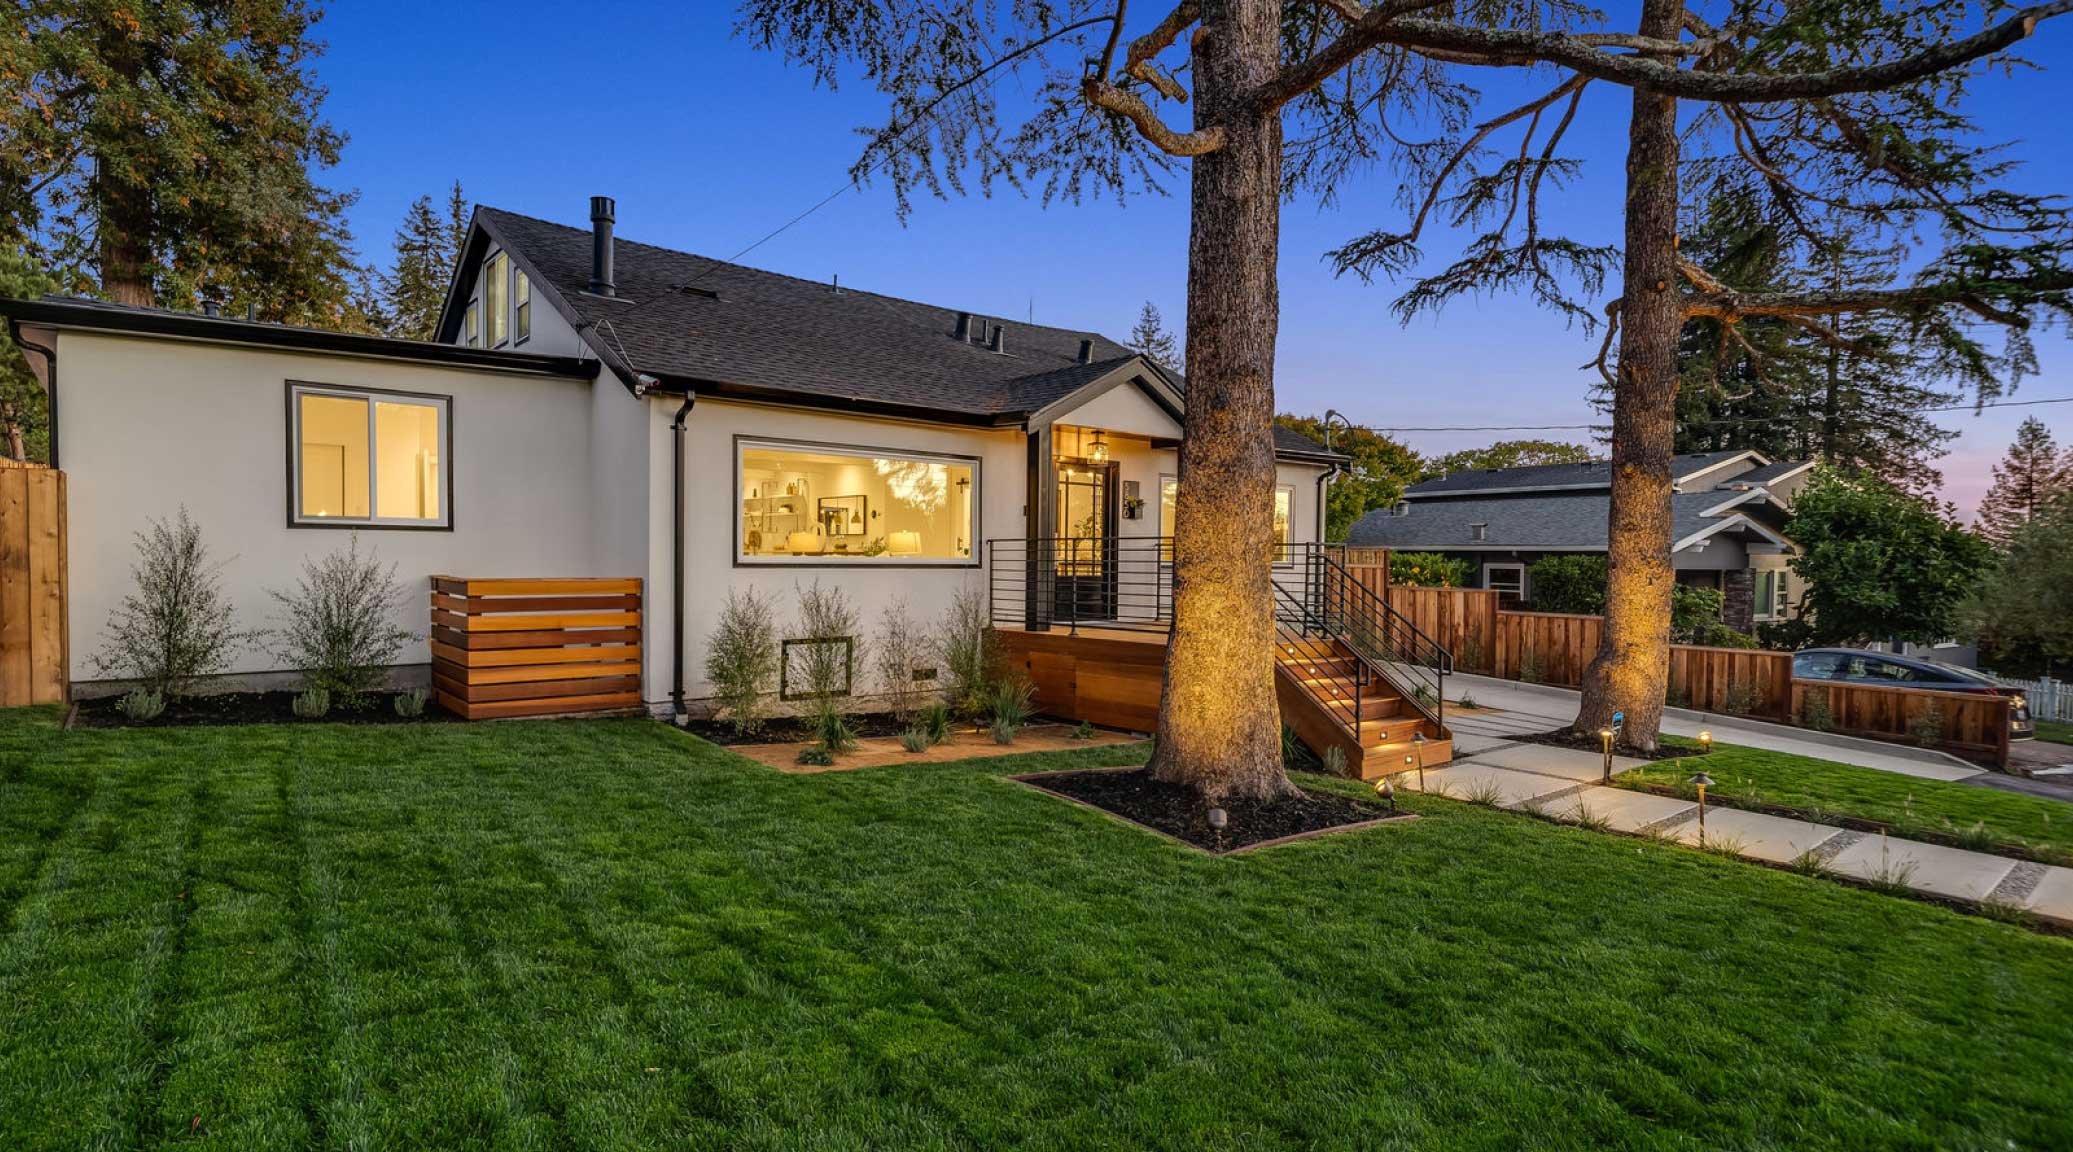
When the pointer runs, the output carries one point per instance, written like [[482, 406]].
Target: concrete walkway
[[1538, 708], [1563, 783]]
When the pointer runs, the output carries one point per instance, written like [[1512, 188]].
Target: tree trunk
[[125, 239], [1219, 725], [1632, 668]]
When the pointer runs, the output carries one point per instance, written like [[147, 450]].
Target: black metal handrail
[[1295, 623], [1126, 583]]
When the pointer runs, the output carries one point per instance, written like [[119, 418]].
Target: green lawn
[[607, 935], [1984, 818], [2055, 731]]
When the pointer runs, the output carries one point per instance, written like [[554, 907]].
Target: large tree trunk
[[1219, 726], [1632, 667], [125, 239]]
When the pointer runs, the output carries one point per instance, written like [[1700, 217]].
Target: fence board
[[34, 638], [562, 663], [1462, 620]]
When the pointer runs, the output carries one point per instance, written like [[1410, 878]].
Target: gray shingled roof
[[1594, 474], [1768, 472], [762, 330], [1561, 522]]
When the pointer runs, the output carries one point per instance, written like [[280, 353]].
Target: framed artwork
[[844, 515]]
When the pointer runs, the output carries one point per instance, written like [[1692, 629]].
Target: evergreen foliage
[[2028, 479], [1880, 564], [426, 247], [1151, 340]]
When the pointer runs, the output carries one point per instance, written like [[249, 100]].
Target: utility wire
[[1691, 424]]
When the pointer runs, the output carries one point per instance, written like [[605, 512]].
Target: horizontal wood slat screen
[[35, 645], [508, 647]]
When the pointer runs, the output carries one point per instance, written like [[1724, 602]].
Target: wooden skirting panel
[[520, 647], [1111, 679]]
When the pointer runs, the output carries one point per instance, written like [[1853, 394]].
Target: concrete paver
[[1470, 743], [2052, 899], [1464, 778], [1759, 836], [1568, 763], [1621, 809], [1929, 868]]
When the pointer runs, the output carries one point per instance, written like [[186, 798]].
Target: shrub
[[826, 670], [1335, 761], [898, 651], [1466, 701], [1785, 635], [141, 705], [741, 659], [1010, 703], [1743, 698], [1568, 584], [816, 755], [177, 626], [1691, 609], [915, 740], [1927, 728], [964, 642], [1003, 732], [311, 703], [1470, 658], [1814, 712], [410, 704], [1719, 635], [1427, 570], [831, 728], [1084, 732], [339, 625], [934, 721]]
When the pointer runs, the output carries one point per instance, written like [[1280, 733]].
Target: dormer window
[[496, 272], [471, 326], [1479, 532], [521, 307]]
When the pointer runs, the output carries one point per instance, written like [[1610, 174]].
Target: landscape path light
[[1702, 782], [1605, 737], [1705, 741], [1386, 789], [1418, 752]]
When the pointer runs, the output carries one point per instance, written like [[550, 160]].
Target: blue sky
[[708, 145]]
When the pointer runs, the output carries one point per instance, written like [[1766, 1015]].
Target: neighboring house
[[596, 407], [1729, 511]]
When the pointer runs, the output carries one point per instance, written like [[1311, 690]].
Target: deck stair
[[1348, 674]]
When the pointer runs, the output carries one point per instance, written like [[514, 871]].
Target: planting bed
[[1178, 812], [252, 708]]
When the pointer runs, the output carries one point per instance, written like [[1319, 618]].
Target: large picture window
[[823, 504], [366, 458]]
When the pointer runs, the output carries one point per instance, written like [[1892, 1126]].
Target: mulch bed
[[1179, 812], [1564, 738], [252, 708], [793, 729]]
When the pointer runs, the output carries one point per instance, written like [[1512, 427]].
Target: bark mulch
[[793, 729], [1179, 812], [252, 708]]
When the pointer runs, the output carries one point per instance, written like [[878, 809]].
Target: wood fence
[[1974, 726], [535, 647], [1462, 620], [35, 645]]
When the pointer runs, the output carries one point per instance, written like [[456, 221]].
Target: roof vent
[[209, 308], [1479, 531], [1086, 351], [999, 342], [1403, 508], [602, 212], [964, 327]]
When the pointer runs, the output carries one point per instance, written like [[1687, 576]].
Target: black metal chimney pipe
[[601, 217]]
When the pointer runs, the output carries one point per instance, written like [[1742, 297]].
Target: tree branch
[[1392, 23]]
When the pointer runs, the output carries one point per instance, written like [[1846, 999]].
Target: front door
[[1086, 532]]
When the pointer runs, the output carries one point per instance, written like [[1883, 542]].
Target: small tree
[[1509, 454], [177, 626], [1568, 584], [898, 651], [826, 669], [1878, 563], [1375, 478], [338, 624], [741, 658]]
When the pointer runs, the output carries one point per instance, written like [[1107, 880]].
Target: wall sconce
[[1098, 451]]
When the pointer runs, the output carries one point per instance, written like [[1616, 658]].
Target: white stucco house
[[597, 407]]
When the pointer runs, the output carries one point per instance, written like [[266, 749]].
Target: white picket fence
[[2049, 699]]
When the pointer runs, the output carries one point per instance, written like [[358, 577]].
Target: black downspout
[[50, 389], [676, 530], [1323, 514]]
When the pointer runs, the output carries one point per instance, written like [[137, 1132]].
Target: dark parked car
[[1852, 666]]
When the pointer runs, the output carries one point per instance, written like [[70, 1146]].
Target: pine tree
[[1151, 339], [24, 411], [426, 246], [2031, 476], [164, 154]]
